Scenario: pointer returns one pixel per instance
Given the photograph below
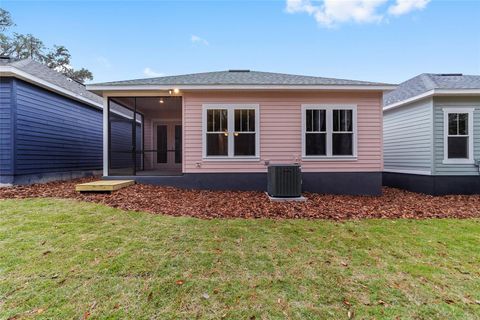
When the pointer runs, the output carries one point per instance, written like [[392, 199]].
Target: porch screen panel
[[162, 144], [139, 142], [121, 145], [178, 144]]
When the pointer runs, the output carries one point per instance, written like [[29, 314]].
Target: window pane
[[342, 120], [458, 147], [348, 120], [210, 120], [309, 122], [244, 144], [336, 120], [315, 144], [223, 120], [452, 124], [238, 120], [315, 120], [463, 123], [244, 120], [251, 120], [342, 144], [216, 120], [217, 144], [323, 123]]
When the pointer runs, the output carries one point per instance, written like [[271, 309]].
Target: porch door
[[168, 143]]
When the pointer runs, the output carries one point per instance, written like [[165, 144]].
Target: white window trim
[[231, 130], [329, 116], [446, 112]]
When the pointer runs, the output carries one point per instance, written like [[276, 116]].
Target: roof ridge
[[252, 77]]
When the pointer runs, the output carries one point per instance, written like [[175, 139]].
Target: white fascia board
[[99, 88], [9, 71], [457, 92], [409, 100], [434, 92]]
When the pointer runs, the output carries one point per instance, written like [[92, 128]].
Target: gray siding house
[[432, 134]]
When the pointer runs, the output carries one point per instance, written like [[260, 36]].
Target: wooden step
[[103, 185]]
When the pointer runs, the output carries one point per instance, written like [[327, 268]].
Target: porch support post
[[105, 136]]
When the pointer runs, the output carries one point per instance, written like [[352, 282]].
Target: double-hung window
[[231, 131], [458, 135], [329, 131]]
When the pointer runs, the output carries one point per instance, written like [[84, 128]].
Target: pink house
[[221, 130]]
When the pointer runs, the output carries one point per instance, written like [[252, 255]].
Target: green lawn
[[65, 259]]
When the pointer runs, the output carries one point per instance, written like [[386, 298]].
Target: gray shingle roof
[[238, 77], [43, 72], [429, 81]]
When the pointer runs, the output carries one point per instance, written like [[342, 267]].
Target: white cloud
[[331, 13], [151, 73], [197, 39], [405, 6]]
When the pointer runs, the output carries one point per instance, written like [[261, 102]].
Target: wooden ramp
[[103, 185]]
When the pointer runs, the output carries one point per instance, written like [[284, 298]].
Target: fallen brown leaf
[[393, 203]]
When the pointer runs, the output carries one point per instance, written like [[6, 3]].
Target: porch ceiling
[[152, 104]]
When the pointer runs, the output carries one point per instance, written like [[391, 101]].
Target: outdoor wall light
[[161, 101]]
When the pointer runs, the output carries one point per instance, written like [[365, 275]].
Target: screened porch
[[145, 136]]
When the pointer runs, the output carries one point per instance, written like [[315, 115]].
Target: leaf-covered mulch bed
[[393, 203]]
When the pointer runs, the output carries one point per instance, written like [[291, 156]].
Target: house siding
[[281, 132], [55, 133], [6, 129], [407, 138], [439, 167]]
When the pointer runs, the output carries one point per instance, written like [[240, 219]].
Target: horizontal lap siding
[[407, 137], [6, 126], [452, 102], [54, 133], [280, 131]]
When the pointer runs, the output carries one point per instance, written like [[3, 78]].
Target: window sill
[[346, 158], [458, 161], [239, 159]]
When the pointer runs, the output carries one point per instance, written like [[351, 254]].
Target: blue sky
[[375, 40]]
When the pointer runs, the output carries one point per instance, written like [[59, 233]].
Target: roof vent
[[239, 70], [450, 74]]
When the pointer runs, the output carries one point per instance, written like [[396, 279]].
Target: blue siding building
[[50, 126]]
